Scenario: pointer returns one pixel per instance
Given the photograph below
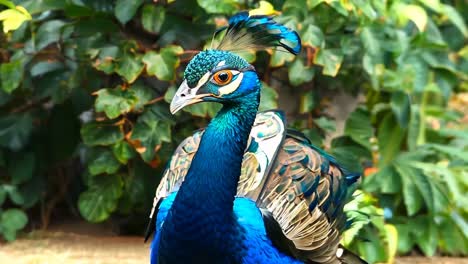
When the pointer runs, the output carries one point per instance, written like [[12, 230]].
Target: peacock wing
[[304, 196], [266, 136], [174, 175]]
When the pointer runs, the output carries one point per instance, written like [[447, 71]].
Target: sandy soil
[[63, 248]]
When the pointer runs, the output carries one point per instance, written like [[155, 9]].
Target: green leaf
[[373, 250], [325, 124], [307, 102], [100, 200], [314, 3], [102, 161], [28, 194], [313, 36], [454, 16], [152, 129], [153, 17], [268, 98], [370, 41], [21, 167], [350, 154], [44, 67], [440, 60], [106, 61], [299, 73], [415, 13], [433, 34], [279, 58], [431, 191], [11, 75], [143, 93], [330, 59], [49, 32], [126, 9], [164, 63], [405, 240], [7, 3], [13, 18], [130, 67], [96, 134], [123, 151], [15, 130], [13, 219], [387, 180], [453, 240], [338, 6], [366, 8], [411, 195], [432, 4], [218, 7], [400, 104], [390, 137], [446, 174], [359, 127], [115, 102], [451, 151], [460, 222], [416, 129], [14, 193], [391, 235], [427, 240]]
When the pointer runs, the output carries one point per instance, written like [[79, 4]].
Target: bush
[[85, 86]]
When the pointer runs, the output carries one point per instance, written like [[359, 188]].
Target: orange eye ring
[[222, 77]]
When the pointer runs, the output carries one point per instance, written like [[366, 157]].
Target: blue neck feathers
[[200, 223]]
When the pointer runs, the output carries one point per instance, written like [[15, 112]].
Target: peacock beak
[[185, 96]]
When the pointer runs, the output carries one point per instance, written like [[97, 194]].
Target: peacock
[[246, 189]]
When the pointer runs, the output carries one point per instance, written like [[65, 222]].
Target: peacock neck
[[202, 213], [216, 167]]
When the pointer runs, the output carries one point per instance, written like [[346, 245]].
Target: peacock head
[[216, 76], [219, 75]]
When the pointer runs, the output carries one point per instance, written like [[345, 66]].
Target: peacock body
[[246, 189]]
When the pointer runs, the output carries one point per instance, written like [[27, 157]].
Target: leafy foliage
[[88, 82]]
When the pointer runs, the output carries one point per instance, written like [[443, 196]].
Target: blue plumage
[[245, 190], [256, 245]]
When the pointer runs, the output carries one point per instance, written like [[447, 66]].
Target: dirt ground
[[55, 247]]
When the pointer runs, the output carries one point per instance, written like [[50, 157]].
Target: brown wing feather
[[301, 195], [177, 168]]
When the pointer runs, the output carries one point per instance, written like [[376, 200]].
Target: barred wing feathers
[[305, 194]]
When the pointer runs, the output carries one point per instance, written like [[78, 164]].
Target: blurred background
[[85, 129]]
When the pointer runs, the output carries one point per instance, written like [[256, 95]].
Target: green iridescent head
[[221, 76], [215, 76]]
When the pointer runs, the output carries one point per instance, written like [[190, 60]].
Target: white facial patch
[[203, 80], [231, 87], [221, 63]]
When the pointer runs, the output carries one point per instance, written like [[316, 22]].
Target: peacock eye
[[222, 77]]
